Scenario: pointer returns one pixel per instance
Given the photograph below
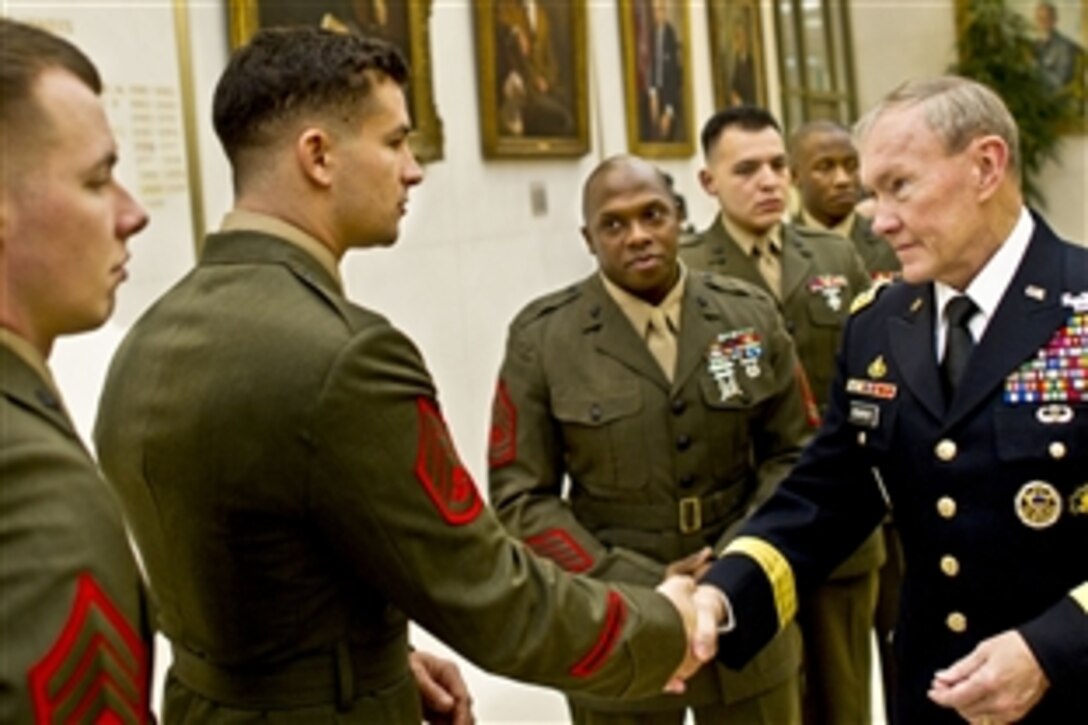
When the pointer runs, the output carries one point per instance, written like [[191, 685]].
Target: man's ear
[[589, 241], [990, 157], [706, 180], [313, 150]]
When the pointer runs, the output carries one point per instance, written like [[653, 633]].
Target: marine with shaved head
[[668, 400]]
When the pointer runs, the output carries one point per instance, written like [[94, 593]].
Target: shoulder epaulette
[[549, 303], [691, 239], [731, 285], [866, 298]]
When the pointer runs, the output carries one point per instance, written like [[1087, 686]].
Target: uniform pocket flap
[[595, 410]]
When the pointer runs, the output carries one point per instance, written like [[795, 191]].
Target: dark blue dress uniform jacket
[[990, 495]]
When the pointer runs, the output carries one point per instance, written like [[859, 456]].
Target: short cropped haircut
[[620, 161], [283, 74], [958, 110], [25, 53], [748, 118], [811, 128]]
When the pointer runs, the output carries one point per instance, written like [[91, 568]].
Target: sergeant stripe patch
[[614, 618], [445, 479], [559, 546], [97, 670], [503, 439]]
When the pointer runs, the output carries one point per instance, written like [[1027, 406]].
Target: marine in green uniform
[[667, 403], [824, 162], [814, 275], [74, 639], [283, 457]]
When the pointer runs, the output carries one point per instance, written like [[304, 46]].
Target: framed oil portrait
[[531, 75], [405, 23], [1060, 38], [737, 60], [655, 38]]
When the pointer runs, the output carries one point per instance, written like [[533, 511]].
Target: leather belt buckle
[[691, 515]]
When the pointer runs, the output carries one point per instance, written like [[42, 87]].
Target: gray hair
[[958, 110]]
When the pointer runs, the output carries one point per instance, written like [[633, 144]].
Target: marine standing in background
[[75, 642], [824, 165], [814, 275]]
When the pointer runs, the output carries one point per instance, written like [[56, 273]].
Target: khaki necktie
[[769, 266], [662, 342]]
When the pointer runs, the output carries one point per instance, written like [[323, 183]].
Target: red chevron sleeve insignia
[[614, 618], [503, 440], [445, 479], [560, 547], [97, 670]]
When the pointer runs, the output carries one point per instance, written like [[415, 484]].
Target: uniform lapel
[[1022, 324], [698, 326], [911, 340], [796, 263], [613, 334], [724, 256]]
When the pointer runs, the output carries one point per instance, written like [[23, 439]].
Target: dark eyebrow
[[106, 162], [400, 131]]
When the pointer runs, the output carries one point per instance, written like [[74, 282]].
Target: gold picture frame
[[656, 42], [531, 75], [1067, 70], [406, 23], [737, 61]]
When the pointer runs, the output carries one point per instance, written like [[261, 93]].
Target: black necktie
[[958, 342]]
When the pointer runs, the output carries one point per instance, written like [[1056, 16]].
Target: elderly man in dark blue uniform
[[961, 400]]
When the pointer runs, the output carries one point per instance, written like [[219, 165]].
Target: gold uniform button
[[946, 450], [950, 565], [1057, 450], [946, 507], [956, 622], [862, 438]]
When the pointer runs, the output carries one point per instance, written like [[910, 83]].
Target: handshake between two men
[[703, 609]]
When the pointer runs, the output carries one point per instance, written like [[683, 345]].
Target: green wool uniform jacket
[[297, 499], [655, 470], [821, 275], [874, 250], [74, 641], [876, 253]]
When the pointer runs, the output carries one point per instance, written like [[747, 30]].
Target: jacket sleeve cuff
[[1059, 639]]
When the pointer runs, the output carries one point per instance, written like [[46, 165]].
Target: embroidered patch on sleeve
[[560, 547], [615, 617], [441, 472], [96, 671], [503, 440]]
